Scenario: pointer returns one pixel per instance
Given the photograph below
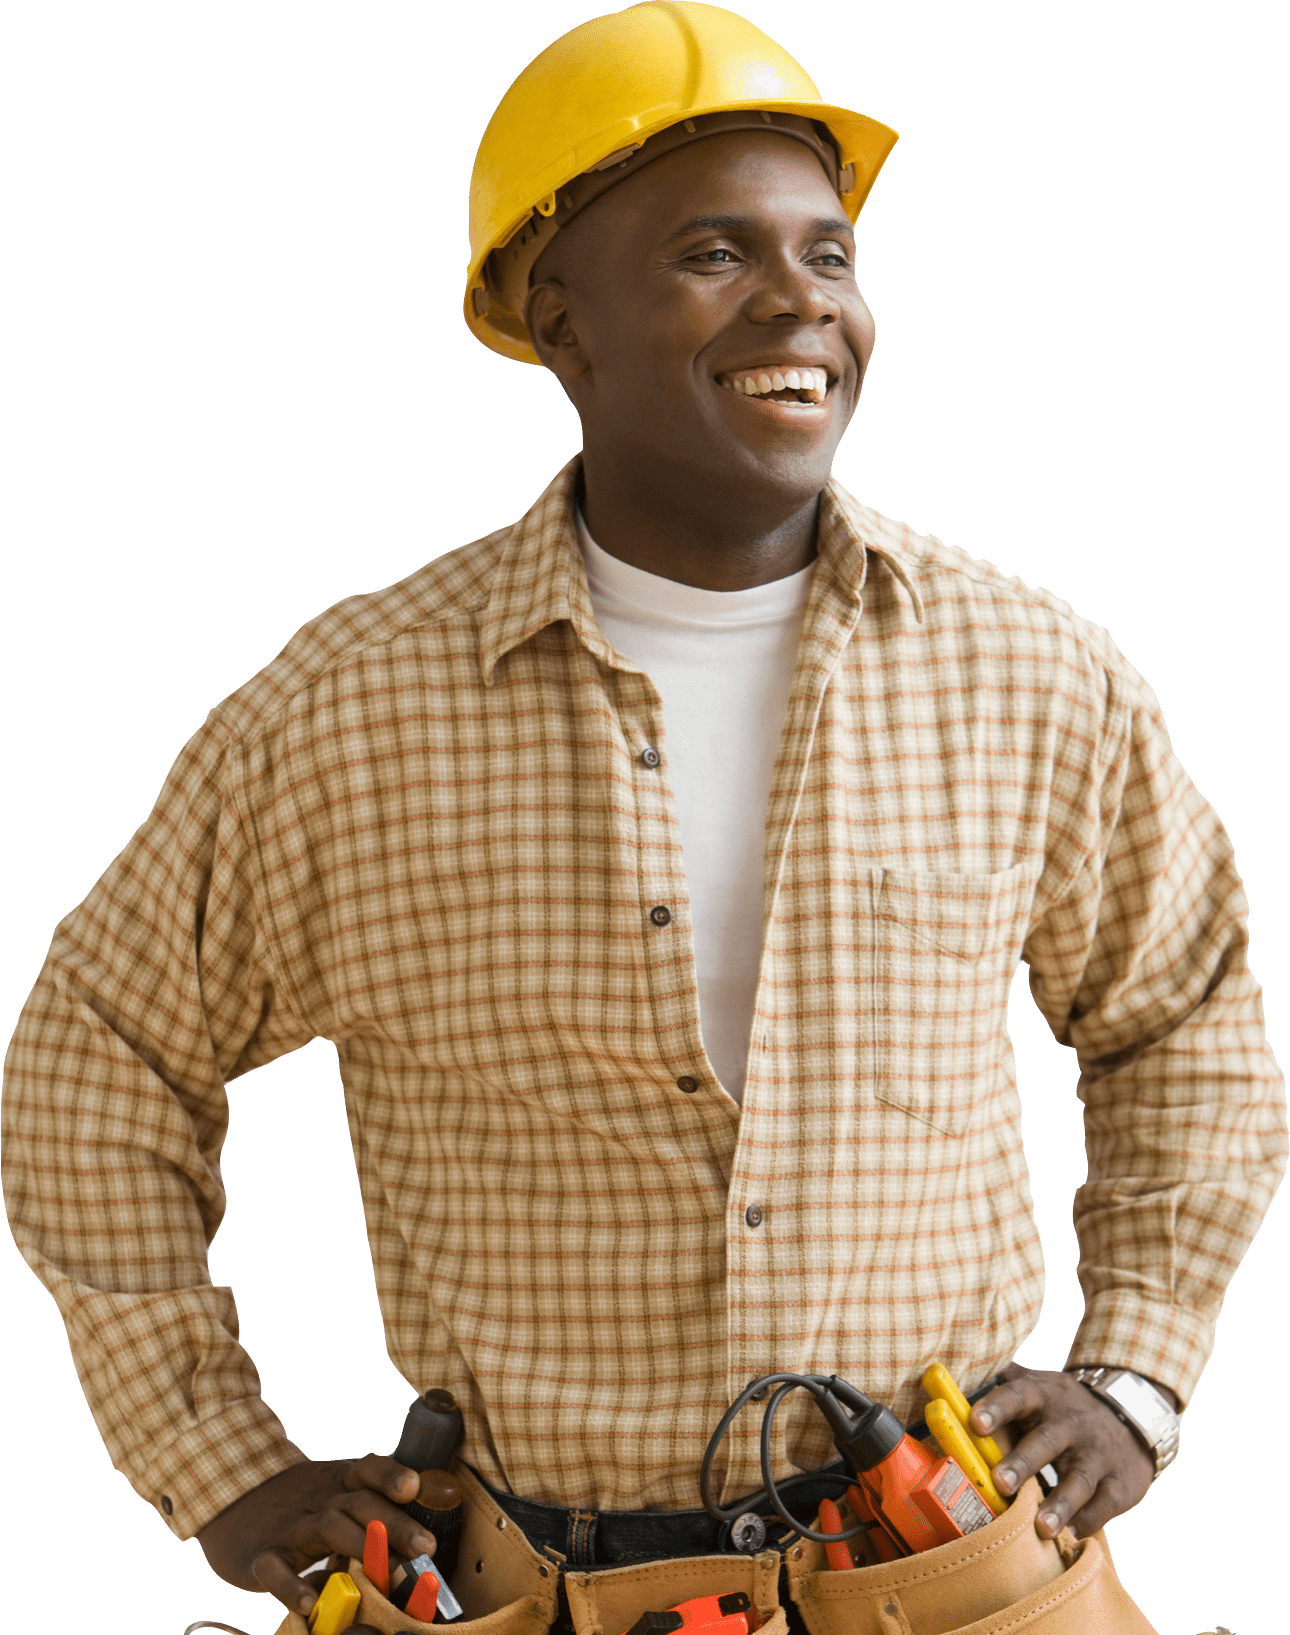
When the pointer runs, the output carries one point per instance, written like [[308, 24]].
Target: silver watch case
[[1140, 1405]]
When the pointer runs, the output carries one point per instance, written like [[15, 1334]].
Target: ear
[[551, 328]]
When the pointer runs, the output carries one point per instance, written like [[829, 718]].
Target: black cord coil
[[822, 1387]]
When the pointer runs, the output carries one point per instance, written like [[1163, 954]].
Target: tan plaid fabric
[[425, 832]]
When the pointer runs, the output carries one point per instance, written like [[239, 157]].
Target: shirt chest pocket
[[945, 947]]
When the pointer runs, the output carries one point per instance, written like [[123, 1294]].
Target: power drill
[[919, 1498]]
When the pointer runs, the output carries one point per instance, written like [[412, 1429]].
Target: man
[[659, 867]]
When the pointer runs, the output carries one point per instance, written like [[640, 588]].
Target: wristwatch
[[1140, 1405]]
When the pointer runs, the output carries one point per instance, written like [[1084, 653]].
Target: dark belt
[[588, 1538]]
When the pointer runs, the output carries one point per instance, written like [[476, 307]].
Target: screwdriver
[[438, 1506], [431, 1432]]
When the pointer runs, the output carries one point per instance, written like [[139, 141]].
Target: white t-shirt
[[722, 661]]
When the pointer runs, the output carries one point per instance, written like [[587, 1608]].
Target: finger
[[271, 1572], [383, 1475], [1083, 1478], [407, 1537], [343, 1526], [1110, 1500], [1016, 1399], [1039, 1447]]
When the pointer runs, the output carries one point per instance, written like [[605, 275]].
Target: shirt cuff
[[1122, 1329], [203, 1471]]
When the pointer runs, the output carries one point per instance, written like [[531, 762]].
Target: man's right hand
[[264, 1539]]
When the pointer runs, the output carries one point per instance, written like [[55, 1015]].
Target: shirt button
[[686, 1083], [650, 756], [661, 915], [753, 1214], [166, 1504]]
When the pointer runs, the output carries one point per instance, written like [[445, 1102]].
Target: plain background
[[237, 387]]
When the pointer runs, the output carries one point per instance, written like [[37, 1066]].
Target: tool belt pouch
[[505, 1587], [611, 1600], [1003, 1577]]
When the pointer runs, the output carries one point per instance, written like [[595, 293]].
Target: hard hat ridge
[[589, 111]]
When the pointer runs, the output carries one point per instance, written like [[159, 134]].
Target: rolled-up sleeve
[[1141, 965], [156, 990]]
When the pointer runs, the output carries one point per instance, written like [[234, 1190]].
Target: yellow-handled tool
[[953, 1440], [337, 1607], [939, 1384]]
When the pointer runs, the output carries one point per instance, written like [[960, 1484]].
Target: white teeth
[[813, 382]]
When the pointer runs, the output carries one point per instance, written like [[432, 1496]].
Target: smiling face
[[704, 318]]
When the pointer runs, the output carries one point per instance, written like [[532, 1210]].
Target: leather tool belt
[[1000, 1580]]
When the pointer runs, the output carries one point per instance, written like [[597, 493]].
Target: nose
[[791, 293]]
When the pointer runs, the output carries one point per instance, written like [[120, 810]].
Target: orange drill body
[[922, 1499], [883, 1543]]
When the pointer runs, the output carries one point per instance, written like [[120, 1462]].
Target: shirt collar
[[541, 578], [848, 533]]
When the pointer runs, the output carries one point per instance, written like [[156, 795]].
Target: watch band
[[1140, 1405]]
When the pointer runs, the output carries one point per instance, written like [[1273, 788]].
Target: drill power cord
[[830, 1394]]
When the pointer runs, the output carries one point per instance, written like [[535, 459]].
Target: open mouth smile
[[778, 383]]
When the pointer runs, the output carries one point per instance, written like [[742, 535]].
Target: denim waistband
[[588, 1539]]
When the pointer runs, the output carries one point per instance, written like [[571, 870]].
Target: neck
[[709, 539]]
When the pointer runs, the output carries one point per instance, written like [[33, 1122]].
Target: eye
[[716, 258], [834, 258]]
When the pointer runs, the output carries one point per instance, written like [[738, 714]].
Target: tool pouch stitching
[[928, 1596], [528, 1604]]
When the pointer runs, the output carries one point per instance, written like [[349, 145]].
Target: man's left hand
[[1103, 1468]]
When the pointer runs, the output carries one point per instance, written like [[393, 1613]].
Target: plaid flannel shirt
[[427, 833]]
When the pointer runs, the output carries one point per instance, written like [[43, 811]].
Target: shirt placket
[[755, 1181], [664, 899]]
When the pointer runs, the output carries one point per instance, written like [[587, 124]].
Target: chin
[[795, 473]]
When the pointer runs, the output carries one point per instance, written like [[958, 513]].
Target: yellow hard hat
[[588, 103]]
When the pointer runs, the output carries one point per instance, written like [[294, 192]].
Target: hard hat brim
[[862, 143]]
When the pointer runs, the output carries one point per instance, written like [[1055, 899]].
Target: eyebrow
[[822, 226]]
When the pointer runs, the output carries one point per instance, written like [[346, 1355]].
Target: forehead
[[769, 179]]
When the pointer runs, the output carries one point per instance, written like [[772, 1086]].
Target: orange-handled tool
[[424, 1598], [837, 1555], [376, 1557]]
